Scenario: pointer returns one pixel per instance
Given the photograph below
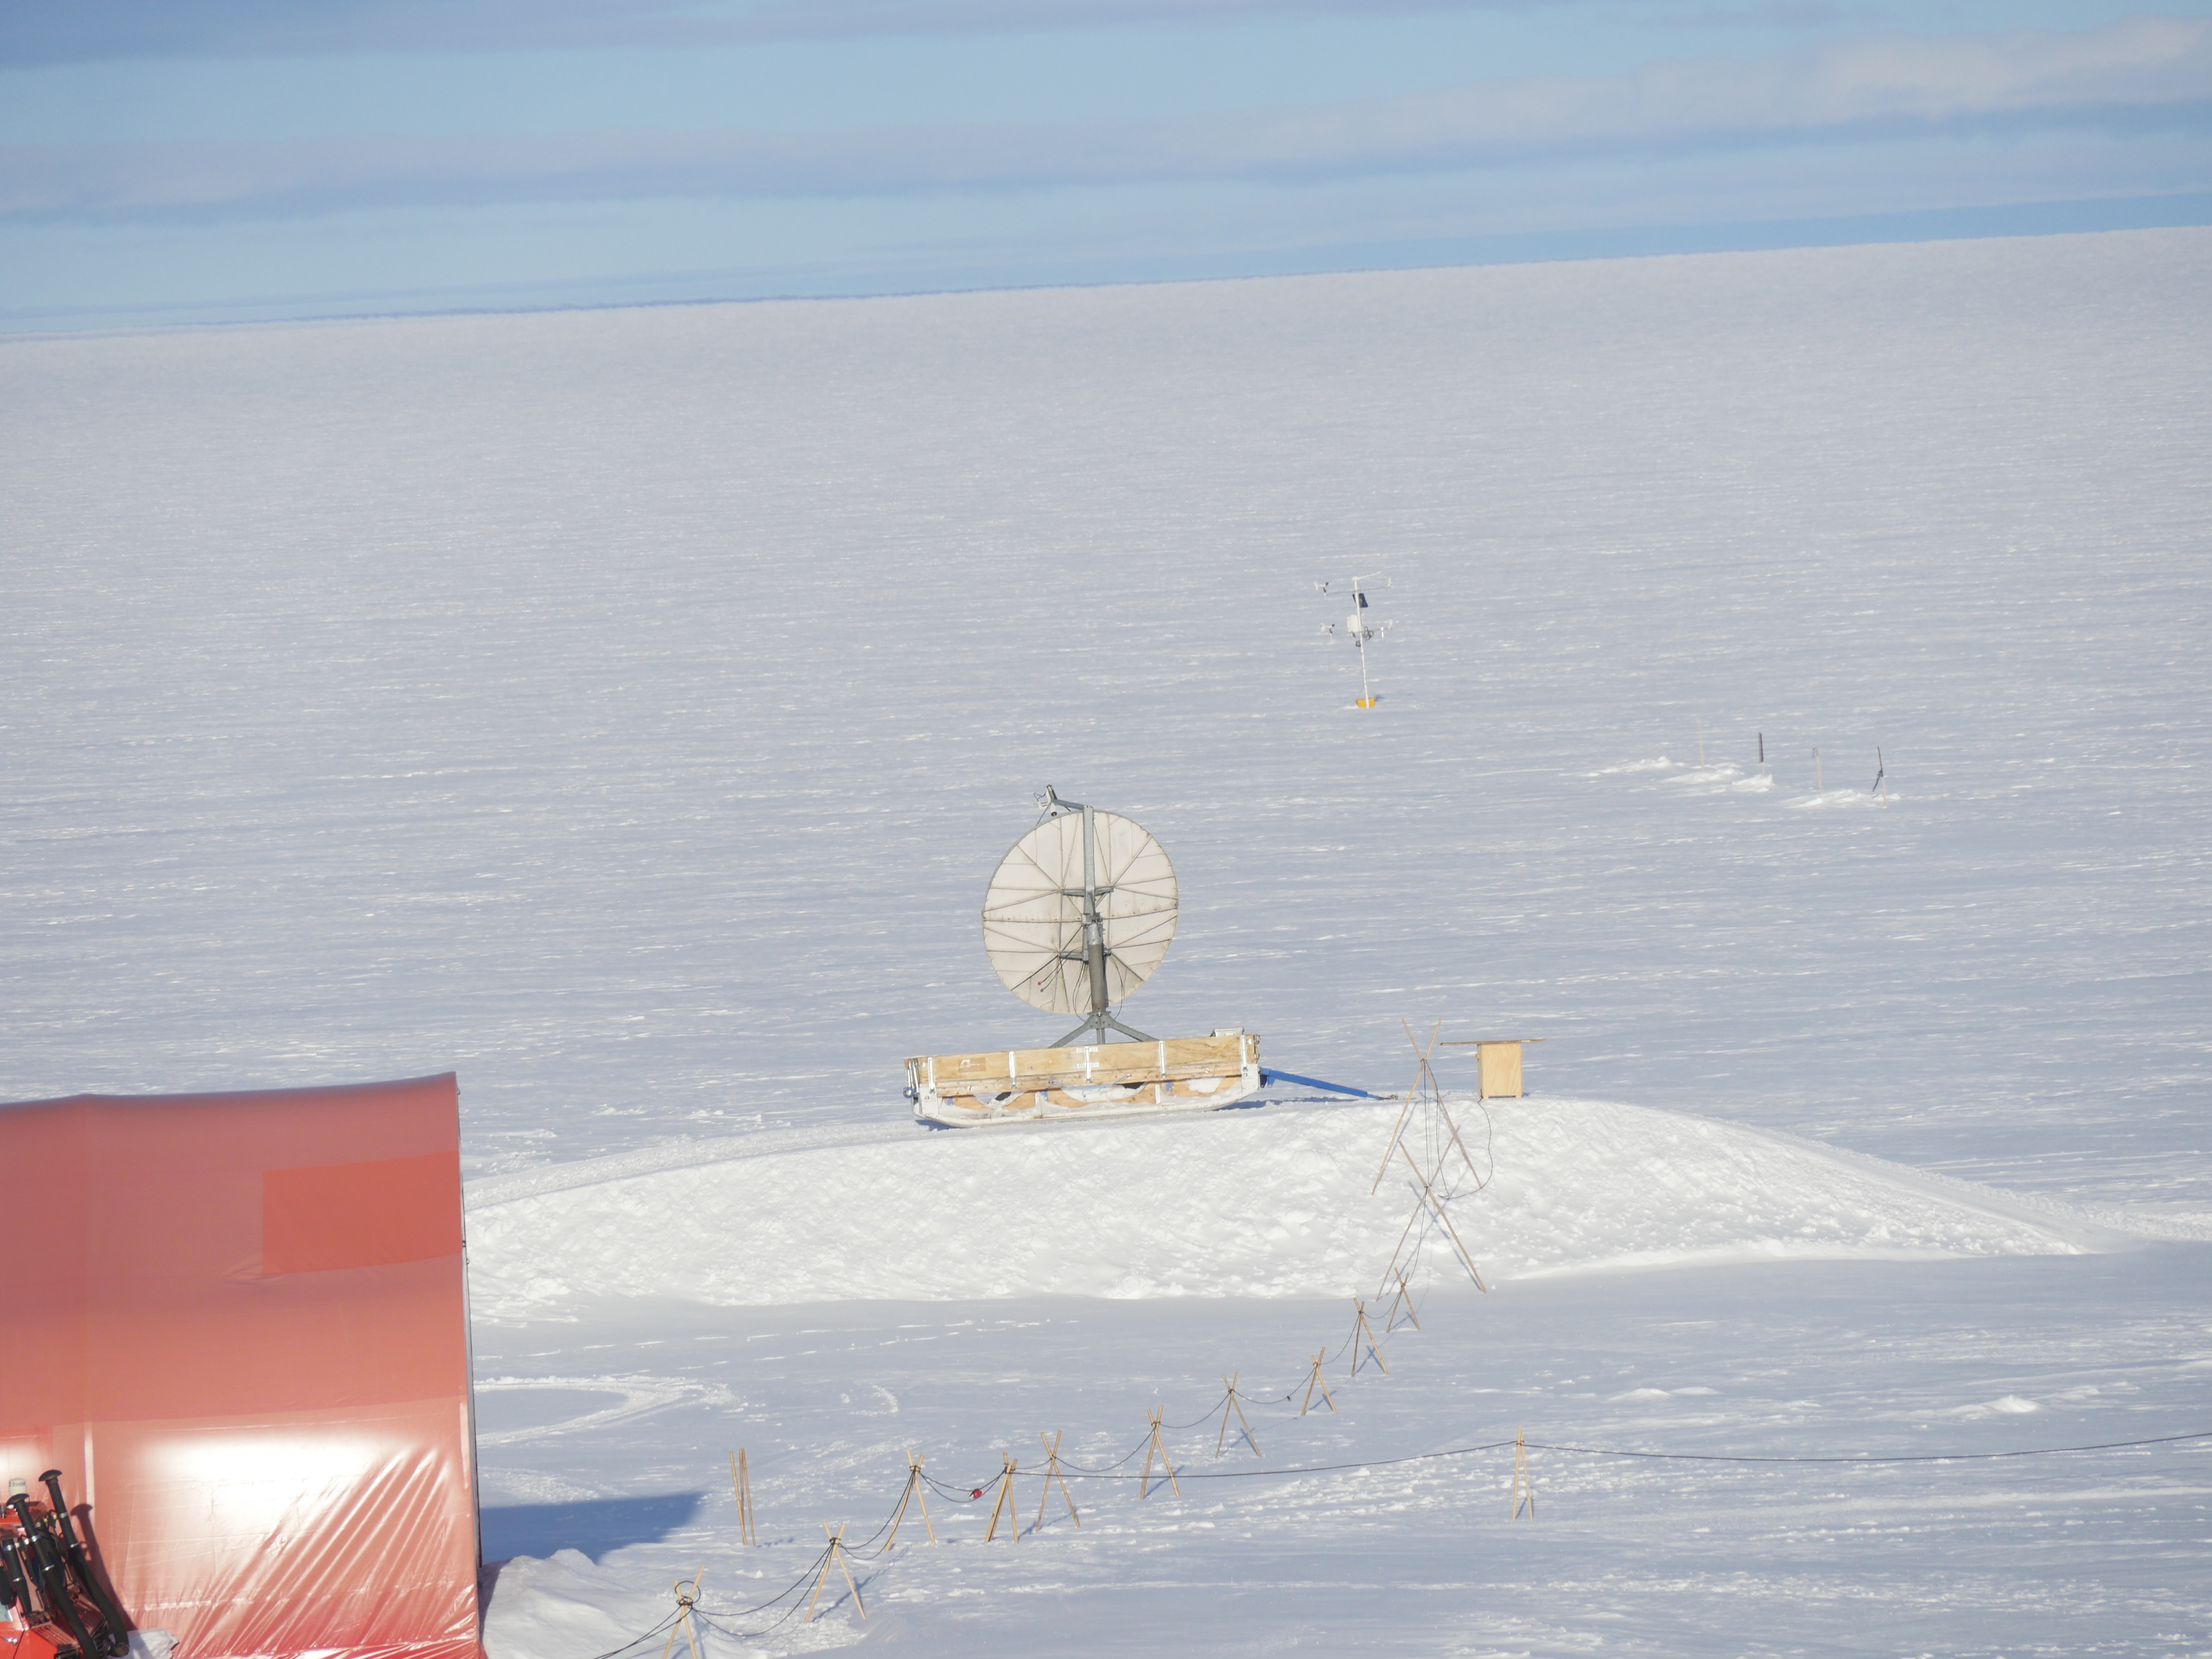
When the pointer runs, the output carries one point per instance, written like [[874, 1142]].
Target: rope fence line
[[1864, 1459], [1879, 1457], [712, 1616], [1117, 1470], [637, 1641]]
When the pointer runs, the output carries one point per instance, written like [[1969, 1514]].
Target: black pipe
[[80, 1560], [53, 1578], [14, 1583]]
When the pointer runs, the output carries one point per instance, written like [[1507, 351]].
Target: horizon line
[[2177, 210]]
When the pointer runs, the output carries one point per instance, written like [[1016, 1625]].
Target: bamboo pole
[[912, 1489], [1144, 1486], [683, 1600], [1524, 1487], [1227, 1406], [1452, 1124], [1437, 1203], [741, 1483], [1361, 1329], [834, 1553], [1005, 1502], [1052, 1474], [1317, 1381], [1404, 1233], [1404, 1296], [1420, 1071]]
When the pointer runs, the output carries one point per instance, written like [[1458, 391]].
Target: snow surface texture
[[2088, 1552], [1237, 1204], [625, 709]]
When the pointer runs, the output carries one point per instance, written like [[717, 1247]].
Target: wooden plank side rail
[[1103, 1065]]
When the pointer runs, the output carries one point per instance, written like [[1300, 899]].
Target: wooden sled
[[1109, 1079]]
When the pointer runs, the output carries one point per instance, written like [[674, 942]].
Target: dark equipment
[[47, 1579]]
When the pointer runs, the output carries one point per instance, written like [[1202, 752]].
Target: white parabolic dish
[[1033, 911]]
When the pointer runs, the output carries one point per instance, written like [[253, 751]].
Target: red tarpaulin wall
[[238, 1325]]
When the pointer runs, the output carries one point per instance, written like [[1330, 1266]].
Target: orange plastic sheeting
[[238, 1325]]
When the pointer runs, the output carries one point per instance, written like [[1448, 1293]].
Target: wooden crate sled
[[1112, 1079]]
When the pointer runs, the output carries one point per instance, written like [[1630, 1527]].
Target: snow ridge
[[1234, 1204]]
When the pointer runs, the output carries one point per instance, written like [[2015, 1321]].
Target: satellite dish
[[1080, 912]]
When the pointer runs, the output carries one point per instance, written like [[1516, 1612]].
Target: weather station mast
[[1360, 627]]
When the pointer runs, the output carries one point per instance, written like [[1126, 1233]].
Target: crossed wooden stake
[[1232, 1405], [1005, 1503], [834, 1553], [1316, 1381], [1144, 1486], [914, 1489], [1427, 1092], [1052, 1474], [1363, 1331], [1524, 1487], [1404, 1298], [684, 1598]]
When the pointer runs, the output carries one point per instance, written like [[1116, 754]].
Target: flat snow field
[[625, 709]]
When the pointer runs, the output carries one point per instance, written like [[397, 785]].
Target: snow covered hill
[[1246, 1203]]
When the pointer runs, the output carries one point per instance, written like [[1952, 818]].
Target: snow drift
[[1273, 1203]]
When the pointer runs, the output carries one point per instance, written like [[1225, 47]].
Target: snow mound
[[1273, 1203]]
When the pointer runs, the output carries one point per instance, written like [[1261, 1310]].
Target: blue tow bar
[[1267, 1078]]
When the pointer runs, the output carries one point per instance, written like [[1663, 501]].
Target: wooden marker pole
[[913, 1489], [1361, 1329], [1422, 1076], [836, 1554], [741, 1483], [1524, 1488], [1316, 1381], [1398, 1252], [1437, 1204], [1451, 1123], [1005, 1502], [1403, 1298], [1052, 1474], [684, 1598], [1144, 1486], [1229, 1405]]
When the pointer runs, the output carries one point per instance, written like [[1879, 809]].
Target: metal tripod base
[[1098, 1022]]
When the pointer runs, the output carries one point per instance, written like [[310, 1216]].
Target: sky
[[236, 160]]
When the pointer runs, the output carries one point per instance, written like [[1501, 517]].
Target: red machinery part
[[26, 1642]]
